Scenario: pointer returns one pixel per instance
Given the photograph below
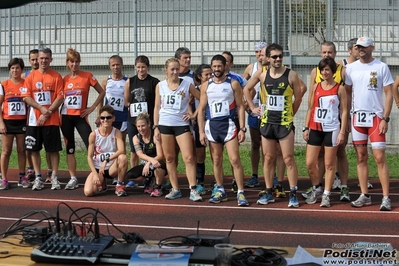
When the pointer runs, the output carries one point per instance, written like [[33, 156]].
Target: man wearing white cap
[[367, 79], [253, 121]]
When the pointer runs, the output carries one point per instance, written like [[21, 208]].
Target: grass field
[[300, 154]]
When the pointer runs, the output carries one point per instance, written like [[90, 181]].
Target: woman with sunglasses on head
[[172, 125], [149, 150], [13, 122], [106, 156], [75, 110]]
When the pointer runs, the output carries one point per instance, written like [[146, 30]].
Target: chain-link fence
[[156, 28]]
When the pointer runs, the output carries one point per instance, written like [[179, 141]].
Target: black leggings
[[68, 125]]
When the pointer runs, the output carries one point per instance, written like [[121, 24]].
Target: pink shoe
[[157, 192]]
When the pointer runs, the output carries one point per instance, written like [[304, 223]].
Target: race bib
[[364, 119], [116, 102], [275, 103], [16, 108], [218, 109], [73, 102], [171, 101], [43, 97], [137, 108], [323, 115]]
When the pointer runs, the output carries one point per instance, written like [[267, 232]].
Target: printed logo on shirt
[[39, 85]]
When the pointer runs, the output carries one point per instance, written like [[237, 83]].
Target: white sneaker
[[369, 185], [37, 184], [72, 184], [55, 184], [337, 183]]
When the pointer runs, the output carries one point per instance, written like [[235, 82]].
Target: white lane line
[[210, 206], [213, 230]]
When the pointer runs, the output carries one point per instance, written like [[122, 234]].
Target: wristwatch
[[243, 129], [155, 126], [107, 160], [386, 119], [304, 129]]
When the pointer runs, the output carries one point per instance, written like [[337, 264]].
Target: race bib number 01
[[323, 115], [219, 109], [171, 101], [275, 103], [137, 108], [16, 108], [43, 97], [118, 103], [364, 119], [73, 102]]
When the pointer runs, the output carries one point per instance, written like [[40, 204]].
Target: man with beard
[[221, 99]]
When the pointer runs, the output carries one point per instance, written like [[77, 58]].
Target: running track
[[267, 225]]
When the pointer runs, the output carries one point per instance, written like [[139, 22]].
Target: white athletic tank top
[[174, 104], [104, 147]]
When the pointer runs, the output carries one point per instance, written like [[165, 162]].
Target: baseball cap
[[260, 45], [365, 42]]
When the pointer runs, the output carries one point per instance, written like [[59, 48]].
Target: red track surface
[[267, 225]]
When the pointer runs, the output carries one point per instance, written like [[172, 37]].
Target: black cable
[[258, 257], [168, 243]]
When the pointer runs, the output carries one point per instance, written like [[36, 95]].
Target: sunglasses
[[277, 56], [106, 117]]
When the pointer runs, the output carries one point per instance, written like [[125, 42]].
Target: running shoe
[[102, 188], [337, 183], [37, 184], [262, 192], [307, 194], [72, 184], [115, 181], [24, 182], [386, 204], [252, 182], [234, 187], [167, 185], [293, 201], [131, 184], [344, 194], [314, 195], [157, 192], [265, 199], [4, 184], [241, 200], [201, 189], [194, 196], [149, 185], [214, 190], [30, 175], [173, 194], [369, 185], [55, 184], [325, 201], [218, 197], [279, 192], [120, 191], [361, 201]]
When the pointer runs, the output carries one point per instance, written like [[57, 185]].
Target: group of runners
[[191, 110]]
